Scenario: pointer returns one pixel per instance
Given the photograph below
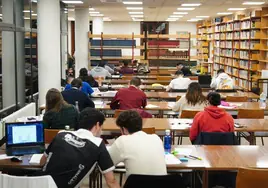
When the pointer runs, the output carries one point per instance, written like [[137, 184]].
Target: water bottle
[[76, 105], [263, 100], [167, 140]]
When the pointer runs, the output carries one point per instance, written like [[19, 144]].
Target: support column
[[49, 69], [64, 43], [81, 39], [97, 25], [8, 57]]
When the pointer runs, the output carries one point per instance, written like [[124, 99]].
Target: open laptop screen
[[24, 133]]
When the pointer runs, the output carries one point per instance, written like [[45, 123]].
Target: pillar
[[64, 43], [49, 69], [81, 39], [8, 57], [97, 25]]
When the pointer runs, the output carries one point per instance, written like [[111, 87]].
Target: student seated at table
[[130, 98], [125, 69], [193, 100], [83, 75], [75, 94], [86, 88], [100, 71], [185, 70], [141, 153], [179, 82], [222, 81], [58, 112], [212, 119], [72, 155]]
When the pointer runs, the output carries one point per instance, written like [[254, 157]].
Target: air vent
[[111, 1]]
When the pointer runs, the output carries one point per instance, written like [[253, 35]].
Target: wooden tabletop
[[161, 124], [148, 77]]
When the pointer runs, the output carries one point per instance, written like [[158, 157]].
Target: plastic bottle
[[167, 140], [76, 105], [263, 100]]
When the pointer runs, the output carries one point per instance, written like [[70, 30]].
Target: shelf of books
[[237, 44]]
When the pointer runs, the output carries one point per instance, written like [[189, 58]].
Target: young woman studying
[[193, 100]]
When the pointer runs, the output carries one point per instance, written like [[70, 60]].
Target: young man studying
[[141, 153], [130, 98], [179, 82], [73, 155]]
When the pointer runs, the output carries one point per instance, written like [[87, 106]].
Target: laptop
[[204, 81], [24, 138]]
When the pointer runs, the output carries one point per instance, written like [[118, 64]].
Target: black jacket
[[186, 71], [73, 95]]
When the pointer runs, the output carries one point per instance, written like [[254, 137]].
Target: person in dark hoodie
[[212, 119]]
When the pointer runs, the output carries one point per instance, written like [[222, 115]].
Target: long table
[[147, 77], [144, 82], [176, 125], [171, 96]]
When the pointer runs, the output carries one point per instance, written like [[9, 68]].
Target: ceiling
[[160, 10]]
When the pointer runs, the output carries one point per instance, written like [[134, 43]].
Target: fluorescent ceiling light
[[66, 12], [26, 18], [107, 19], [91, 9], [253, 3], [192, 20], [96, 15], [202, 16], [26, 11], [175, 16], [175, 19], [132, 2], [137, 20], [73, 2], [135, 12], [36, 14], [236, 9], [96, 12], [185, 8], [196, 19], [182, 13], [136, 16], [224, 13], [71, 18], [71, 10], [1, 14], [134, 8], [190, 4]]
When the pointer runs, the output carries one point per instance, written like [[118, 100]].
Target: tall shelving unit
[[236, 47], [263, 65]]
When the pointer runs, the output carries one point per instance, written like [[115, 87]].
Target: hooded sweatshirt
[[222, 81], [212, 119], [100, 72]]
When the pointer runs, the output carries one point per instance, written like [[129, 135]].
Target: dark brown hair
[[194, 94], [54, 100], [135, 81]]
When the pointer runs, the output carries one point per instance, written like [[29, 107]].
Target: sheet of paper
[[185, 121], [115, 76], [235, 104], [121, 164], [152, 106], [4, 156], [98, 102], [171, 159], [227, 107], [183, 151], [36, 158]]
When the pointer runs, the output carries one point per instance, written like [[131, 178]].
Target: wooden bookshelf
[[237, 46]]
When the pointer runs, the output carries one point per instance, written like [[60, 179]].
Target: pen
[[199, 158]]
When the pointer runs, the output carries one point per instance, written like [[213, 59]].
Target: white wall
[[124, 28]]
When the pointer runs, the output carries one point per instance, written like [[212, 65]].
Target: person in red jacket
[[212, 119], [129, 98]]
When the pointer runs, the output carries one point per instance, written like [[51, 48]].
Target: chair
[[178, 98], [179, 90], [146, 181], [190, 114], [127, 77], [149, 130], [50, 135], [248, 178], [252, 114], [8, 181], [163, 78], [236, 99]]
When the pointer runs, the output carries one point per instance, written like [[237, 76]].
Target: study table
[[182, 125], [213, 158], [127, 77]]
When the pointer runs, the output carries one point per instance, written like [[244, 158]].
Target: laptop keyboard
[[26, 150]]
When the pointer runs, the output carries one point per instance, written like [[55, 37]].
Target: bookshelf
[[28, 46], [237, 44]]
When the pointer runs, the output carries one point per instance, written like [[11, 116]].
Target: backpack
[[143, 69]]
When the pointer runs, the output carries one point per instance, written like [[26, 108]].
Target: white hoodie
[[100, 72], [222, 81]]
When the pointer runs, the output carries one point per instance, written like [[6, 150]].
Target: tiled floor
[[186, 141]]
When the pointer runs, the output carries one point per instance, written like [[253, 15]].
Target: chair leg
[[262, 141], [179, 138], [121, 179]]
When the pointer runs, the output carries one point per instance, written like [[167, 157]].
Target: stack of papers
[[35, 159], [151, 106], [171, 159], [116, 76]]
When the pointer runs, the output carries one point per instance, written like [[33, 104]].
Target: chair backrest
[[178, 97], [179, 90], [248, 178], [236, 99], [127, 77], [188, 113], [149, 130], [146, 181], [50, 135], [204, 79], [164, 72], [164, 78], [117, 112], [216, 138], [8, 181], [250, 114]]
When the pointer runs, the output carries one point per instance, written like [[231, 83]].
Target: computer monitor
[[204, 79], [24, 134]]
